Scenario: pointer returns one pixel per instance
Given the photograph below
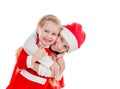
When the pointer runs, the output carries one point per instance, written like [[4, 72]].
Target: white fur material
[[32, 77], [43, 71], [59, 77], [70, 38], [46, 61], [29, 60], [30, 46]]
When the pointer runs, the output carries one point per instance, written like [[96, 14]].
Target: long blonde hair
[[53, 80], [51, 18], [18, 52]]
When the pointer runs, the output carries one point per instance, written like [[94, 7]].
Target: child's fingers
[[40, 46], [41, 49], [52, 73], [56, 70]]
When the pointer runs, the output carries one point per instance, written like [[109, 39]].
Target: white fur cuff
[[29, 63], [43, 71], [46, 61], [59, 77]]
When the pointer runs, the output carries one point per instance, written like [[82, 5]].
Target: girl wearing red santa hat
[[71, 38]]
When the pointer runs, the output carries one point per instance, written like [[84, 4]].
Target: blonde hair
[[51, 18], [53, 80], [18, 52]]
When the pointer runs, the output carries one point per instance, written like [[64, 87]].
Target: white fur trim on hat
[[70, 38]]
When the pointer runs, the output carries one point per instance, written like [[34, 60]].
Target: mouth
[[47, 40]]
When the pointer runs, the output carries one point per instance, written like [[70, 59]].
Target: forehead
[[51, 26], [64, 41]]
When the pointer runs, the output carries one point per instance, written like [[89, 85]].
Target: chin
[[53, 49], [46, 44]]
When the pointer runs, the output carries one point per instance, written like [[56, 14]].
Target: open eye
[[46, 31], [54, 34], [61, 39], [65, 46]]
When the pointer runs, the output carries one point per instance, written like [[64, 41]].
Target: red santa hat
[[74, 35]]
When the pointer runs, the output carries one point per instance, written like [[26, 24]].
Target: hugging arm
[[31, 48], [30, 45], [25, 61]]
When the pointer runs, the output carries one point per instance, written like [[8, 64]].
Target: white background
[[96, 65]]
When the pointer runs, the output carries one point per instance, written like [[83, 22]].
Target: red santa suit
[[25, 78]]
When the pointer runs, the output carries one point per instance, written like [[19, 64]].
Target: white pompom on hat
[[74, 35]]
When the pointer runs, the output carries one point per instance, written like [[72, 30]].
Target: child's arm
[[30, 44], [61, 64], [42, 70], [26, 61], [31, 48]]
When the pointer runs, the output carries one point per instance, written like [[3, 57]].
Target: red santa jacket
[[21, 64]]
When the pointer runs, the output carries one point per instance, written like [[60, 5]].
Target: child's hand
[[61, 63], [39, 54], [55, 69], [43, 71]]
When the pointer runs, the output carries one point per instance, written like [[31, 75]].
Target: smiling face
[[48, 33], [60, 45]]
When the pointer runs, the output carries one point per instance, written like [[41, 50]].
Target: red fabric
[[77, 31], [22, 58], [19, 82], [37, 40], [60, 84], [48, 51], [22, 83]]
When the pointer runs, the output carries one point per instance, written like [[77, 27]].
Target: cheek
[[41, 36], [54, 38], [53, 47], [62, 50]]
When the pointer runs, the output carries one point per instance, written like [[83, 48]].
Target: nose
[[59, 46], [49, 36]]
